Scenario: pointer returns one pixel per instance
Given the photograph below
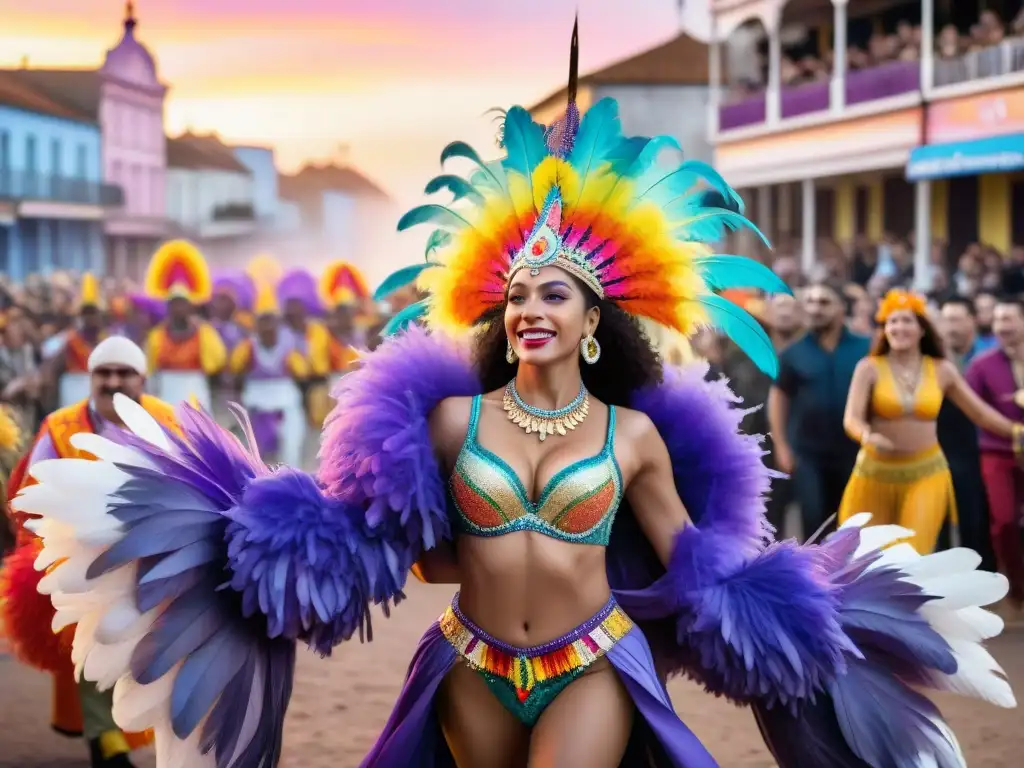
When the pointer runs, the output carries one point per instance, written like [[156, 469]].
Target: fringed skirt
[[913, 490], [412, 737]]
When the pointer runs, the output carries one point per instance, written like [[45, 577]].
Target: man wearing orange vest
[[69, 362], [115, 365]]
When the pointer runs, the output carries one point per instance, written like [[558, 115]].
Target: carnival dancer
[[902, 475], [183, 351], [605, 519], [345, 294], [69, 363], [117, 366], [233, 296], [269, 364], [998, 377], [298, 295]]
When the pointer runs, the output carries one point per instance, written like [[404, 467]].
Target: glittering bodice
[[578, 504]]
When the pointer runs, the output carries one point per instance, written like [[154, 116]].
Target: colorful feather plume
[[89, 295], [643, 230], [178, 270], [343, 283]]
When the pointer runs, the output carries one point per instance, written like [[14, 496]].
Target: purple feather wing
[[226, 565], [376, 452]]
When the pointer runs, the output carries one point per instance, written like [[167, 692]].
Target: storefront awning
[[967, 158]]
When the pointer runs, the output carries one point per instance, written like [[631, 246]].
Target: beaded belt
[[899, 469], [536, 674]]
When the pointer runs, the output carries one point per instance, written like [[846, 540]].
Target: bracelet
[[1017, 439]]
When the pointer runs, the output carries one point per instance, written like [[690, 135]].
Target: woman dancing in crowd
[[602, 516], [901, 475]]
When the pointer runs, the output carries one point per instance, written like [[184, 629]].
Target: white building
[[210, 193]]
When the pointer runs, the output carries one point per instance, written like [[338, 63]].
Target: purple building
[[126, 98]]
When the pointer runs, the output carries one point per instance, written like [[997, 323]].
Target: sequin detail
[[578, 504], [526, 680]]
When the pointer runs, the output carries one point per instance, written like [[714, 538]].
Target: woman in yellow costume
[[901, 475], [183, 351]]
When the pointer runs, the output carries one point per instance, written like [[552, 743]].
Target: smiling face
[[547, 316], [903, 330]]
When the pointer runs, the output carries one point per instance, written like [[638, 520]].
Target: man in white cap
[[116, 365]]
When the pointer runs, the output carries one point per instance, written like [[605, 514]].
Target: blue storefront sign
[[996, 154]]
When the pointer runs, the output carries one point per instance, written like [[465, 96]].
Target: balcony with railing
[[27, 186], [919, 61]]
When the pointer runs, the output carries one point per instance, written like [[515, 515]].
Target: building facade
[[52, 197], [125, 99], [872, 120]]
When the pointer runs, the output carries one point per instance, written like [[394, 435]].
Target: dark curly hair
[[628, 360], [931, 343]]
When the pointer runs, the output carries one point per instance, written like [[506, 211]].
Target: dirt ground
[[340, 704]]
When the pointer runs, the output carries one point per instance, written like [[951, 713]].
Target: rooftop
[[333, 177], [202, 152], [17, 92], [683, 60]]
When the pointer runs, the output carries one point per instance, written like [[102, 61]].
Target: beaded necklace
[[541, 421]]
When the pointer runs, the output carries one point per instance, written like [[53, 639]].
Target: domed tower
[[134, 152]]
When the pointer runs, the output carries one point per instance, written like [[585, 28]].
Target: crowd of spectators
[[903, 43]]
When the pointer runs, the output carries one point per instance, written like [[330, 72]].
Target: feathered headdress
[[342, 283], [239, 286], [264, 269], [581, 196], [898, 299], [178, 270], [299, 285], [89, 294], [266, 301]]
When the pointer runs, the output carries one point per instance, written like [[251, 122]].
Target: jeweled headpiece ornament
[[581, 196]]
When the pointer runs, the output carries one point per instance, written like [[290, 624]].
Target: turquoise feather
[[662, 188], [722, 272], [648, 155], [405, 317], [744, 330], [463, 150], [457, 185], [599, 135], [625, 154], [439, 238], [524, 143], [710, 224], [399, 279], [445, 218]]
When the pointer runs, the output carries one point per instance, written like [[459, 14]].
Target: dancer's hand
[[880, 442]]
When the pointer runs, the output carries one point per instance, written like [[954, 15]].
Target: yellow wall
[[845, 210], [994, 225], [876, 210], [940, 210]]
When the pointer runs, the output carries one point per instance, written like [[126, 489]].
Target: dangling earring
[[590, 349], [510, 354]]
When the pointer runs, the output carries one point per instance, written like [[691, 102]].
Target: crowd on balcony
[[902, 44]]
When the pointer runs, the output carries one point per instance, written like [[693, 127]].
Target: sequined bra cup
[[577, 505]]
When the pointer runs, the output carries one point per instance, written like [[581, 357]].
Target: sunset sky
[[394, 80]]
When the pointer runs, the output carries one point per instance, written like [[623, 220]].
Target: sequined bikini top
[[577, 505]]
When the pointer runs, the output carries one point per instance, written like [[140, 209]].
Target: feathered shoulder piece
[[178, 270], [582, 196]]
